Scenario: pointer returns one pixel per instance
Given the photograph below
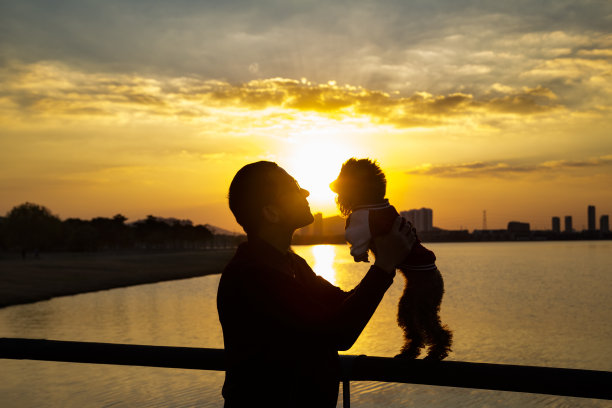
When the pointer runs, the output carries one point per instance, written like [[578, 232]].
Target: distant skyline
[[140, 107], [549, 226], [338, 227]]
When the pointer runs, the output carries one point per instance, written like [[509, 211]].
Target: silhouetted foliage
[[151, 232], [160, 233], [79, 235], [112, 233], [31, 227], [3, 243]]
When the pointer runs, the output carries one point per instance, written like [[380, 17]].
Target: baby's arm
[[358, 236]]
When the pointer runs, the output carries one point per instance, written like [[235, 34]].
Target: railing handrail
[[499, 377]]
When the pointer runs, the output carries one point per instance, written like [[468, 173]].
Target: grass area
[[60, 274]]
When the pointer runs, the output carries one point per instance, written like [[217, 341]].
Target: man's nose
[[305, 192]]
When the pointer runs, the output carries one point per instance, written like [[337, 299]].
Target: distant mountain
[[220, 231]]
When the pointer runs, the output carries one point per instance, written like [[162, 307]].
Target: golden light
[[315, 158], [315, 167], [324, 256]]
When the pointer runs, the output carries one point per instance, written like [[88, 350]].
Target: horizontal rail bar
[[110, 353], [499, 377]]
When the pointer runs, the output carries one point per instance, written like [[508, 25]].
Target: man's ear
[[271, 214]]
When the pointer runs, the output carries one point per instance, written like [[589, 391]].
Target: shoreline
[[63, 274]]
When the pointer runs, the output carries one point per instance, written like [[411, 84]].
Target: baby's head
[[360, 182]]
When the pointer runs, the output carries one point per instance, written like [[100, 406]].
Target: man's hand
[[393, 247]]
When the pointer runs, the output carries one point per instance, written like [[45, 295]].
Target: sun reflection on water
[[324, 256]]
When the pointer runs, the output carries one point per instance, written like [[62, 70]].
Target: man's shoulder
[[236, 278], [300, 263], [240, 262], [296, 258]]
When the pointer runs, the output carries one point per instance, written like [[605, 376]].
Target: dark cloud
[[503, 169], [441, 47]]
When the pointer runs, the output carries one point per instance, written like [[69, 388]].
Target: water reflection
[[324, 257], [506, 302]]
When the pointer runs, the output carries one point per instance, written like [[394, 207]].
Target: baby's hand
[[393, 247], [361, 257]]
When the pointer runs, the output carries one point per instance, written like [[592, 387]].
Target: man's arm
[[297, 307], [336, 319]]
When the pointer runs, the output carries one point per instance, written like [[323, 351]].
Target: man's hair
[[360, 182], [253, 187]]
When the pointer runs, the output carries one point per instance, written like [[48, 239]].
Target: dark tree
[[79, 235], [112, 233], [32, 227], [3, 242], [151, 232], [202, 234]]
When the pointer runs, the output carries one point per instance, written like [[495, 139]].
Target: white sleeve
[[357, 233]]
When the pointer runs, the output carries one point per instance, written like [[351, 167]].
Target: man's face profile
[[290, 202]]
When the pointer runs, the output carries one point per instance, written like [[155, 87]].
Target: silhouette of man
[[282, 324]]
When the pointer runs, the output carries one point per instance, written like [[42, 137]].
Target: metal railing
[[499, 377]]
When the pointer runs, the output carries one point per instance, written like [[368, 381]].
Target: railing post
[[346, 364], [346, 393]]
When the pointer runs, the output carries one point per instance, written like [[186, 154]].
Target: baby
[[361, 188]]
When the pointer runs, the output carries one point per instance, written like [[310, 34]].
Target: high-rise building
[[422, 219], [568, 223], [604, 224], [556, 224], [318, 224], [591, 212], [517, 226]]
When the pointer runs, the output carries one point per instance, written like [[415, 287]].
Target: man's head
[[263, 194], [360, 182]]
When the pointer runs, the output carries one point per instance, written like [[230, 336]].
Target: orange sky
[[493, 112]]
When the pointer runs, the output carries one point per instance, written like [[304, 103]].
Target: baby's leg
[[413, 342], [409, 321], [438, 336]]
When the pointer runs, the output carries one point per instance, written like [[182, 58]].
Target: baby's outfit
[[369, 221]]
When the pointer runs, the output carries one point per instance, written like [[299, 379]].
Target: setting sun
[[161, 126], [124, 123], [315, 161], [315, 169]]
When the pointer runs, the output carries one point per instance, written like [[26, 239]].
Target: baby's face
[[360, 182], [348, 192]]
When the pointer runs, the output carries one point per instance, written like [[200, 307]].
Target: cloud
[[503, 169], [571, 68], [52, 90], [442, 48]]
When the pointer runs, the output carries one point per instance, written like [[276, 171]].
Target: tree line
[[33, 228]]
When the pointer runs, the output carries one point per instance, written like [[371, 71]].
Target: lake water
[[527, 303]]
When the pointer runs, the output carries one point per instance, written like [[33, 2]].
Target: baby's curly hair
[[360, 182]]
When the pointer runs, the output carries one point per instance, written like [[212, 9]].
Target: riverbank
[[61, 274]]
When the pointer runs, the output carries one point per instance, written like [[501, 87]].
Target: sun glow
[[315, 168], [315, 159]]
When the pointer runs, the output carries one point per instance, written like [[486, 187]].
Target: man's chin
[[309, 219]]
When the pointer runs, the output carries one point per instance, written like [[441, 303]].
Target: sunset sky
[[150, 107]]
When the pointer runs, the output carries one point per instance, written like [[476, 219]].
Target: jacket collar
[[377, 206]]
